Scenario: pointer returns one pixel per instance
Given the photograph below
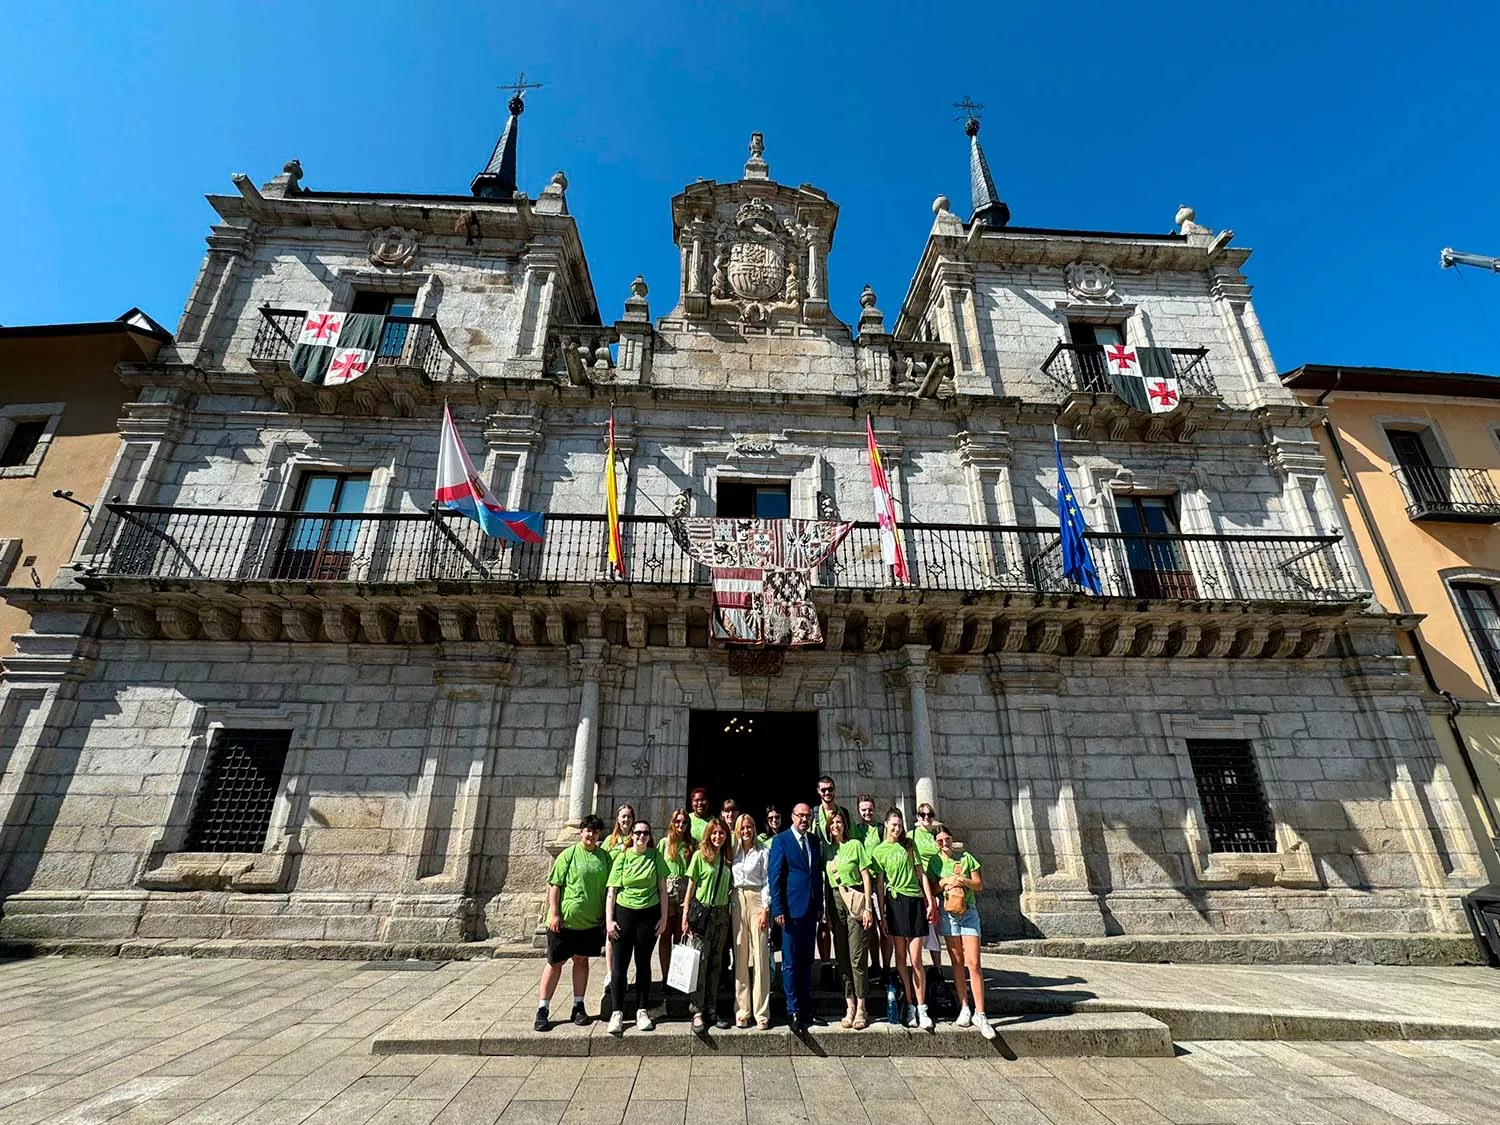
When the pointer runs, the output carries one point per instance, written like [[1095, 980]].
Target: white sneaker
[[965, 1017], [617, 1023], [984, 1026], [924, 1021], [911, 1015], [643, 1020]]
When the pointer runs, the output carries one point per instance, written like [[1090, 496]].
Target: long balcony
[[1437, 492], [1083, 369], [420, 577], [413, 342], [236, 545]]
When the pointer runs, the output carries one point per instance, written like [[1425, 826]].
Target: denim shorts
[[959, 925]]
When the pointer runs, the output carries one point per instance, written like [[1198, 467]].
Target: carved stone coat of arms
[[755, 267]]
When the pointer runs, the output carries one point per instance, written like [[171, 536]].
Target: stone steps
[[1032, 1035]]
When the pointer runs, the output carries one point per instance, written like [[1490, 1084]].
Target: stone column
[[924, 767], [590, 665]]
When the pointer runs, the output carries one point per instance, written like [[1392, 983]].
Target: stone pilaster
[[919, 673], [588, 665]]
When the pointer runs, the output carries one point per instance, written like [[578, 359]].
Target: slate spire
[[989, 208], [498, 180]]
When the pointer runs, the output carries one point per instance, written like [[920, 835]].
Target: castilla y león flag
[[885, 511], [460, 489]]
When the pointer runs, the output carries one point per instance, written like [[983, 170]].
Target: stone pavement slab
[[158, 1040]]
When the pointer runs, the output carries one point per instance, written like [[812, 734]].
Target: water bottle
[[892, 1005]]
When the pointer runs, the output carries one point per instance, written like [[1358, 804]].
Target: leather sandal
[[860, 1023]]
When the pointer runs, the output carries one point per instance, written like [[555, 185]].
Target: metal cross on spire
[[970, 114], [518, 90]]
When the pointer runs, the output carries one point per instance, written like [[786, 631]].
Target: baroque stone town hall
[[278, 696]]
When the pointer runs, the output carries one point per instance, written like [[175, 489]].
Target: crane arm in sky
[[1451, 257]]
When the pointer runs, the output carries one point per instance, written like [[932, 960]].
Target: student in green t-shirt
[[772, 822], [619, 836], [710, 878], [677, 849], [635, 915], [869, 832], [700, 815], [906, 898], [958, 878], [848, 878], [927, 848], [575, 918]]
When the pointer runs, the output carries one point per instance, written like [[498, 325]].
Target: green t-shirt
[[765, 838], [637, 876], [710, 881], [847, 863], [965, 865], [870, 835], [613, 844], [895, 863], [678, 866], [582, 875], [926, 848], [696, 825], [822, 817]]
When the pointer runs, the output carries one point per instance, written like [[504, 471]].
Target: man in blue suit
[[795, 875]]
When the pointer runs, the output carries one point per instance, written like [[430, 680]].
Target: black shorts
[[574, 943], [905, 917]]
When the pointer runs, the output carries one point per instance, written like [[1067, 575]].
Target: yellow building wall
[[79, 372], [1420, 552]]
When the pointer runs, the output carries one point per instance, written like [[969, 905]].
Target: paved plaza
[[210, 1040]]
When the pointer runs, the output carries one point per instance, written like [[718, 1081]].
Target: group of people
[[870, 893]]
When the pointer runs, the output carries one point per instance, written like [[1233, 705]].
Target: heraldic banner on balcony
[[762, 575], [1143, 377], [335, 348]]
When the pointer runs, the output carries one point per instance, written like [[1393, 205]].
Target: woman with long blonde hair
[[677, 850], [750, 926], [709, 883]]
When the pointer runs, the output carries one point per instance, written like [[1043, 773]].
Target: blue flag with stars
[[1078, 564]]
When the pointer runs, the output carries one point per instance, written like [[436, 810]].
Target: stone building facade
[[236, 718]]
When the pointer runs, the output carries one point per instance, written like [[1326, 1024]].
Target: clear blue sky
[[1345, 142]]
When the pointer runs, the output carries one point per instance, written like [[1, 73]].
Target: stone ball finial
[[516, 105], [867, 298], [638, 286], [971, 127], [941, 204], [1185, 214], [560, 180], [293, 168]]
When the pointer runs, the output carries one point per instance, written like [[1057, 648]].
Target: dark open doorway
[[759, 758]]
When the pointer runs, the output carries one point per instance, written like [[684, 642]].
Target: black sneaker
[[541, 1023], [580, 1017]]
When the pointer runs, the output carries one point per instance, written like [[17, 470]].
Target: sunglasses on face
[[826, 790], [924, 816], [638, 832]]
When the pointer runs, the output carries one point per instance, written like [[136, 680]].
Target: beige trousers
[[752, 957]]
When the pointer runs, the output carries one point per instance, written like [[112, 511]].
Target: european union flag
[[1078, 564]]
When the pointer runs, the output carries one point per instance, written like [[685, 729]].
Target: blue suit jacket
[[796, 888]]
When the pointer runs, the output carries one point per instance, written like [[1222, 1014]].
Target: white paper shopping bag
[[687, 962]]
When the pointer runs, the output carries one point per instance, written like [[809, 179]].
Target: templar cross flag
[[1143, 377], [335, 348]]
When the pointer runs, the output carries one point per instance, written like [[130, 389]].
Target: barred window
[[1482, 617], [1229, 789], [238, 793]]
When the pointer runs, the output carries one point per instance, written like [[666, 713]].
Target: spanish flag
[[612, 507]]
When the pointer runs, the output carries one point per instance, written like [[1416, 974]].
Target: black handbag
[[698, 912]]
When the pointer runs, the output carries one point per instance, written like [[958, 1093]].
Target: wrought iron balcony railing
[[247, 545], [1083, 369], [1437, 492], [405, 341]]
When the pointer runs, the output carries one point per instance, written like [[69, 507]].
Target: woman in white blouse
[[750, 920]]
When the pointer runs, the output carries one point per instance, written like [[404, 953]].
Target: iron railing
[[1437, 492], [405, 341], [241, 545], [1076, 368]]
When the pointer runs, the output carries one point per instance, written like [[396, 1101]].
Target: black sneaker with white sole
[[541, 1023], [580, 1017]]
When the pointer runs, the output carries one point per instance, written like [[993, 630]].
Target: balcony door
[[317, 548], [1089, 342], [1158, 567], [1426, 481], [393, 336]]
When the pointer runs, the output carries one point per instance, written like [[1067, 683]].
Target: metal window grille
[[240, 782], [1229, 790]]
